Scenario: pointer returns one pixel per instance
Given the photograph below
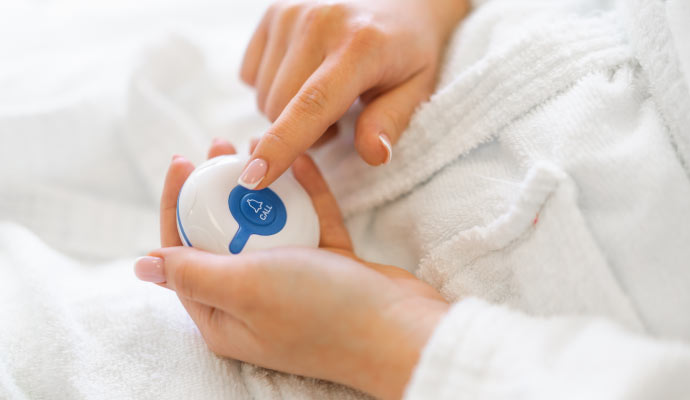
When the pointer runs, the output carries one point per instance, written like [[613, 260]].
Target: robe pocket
[[539, 257]]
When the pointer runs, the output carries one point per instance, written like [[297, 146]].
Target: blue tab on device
[[259, 212]]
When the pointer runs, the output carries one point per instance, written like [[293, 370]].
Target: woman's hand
[[310, 61], [321, 313]]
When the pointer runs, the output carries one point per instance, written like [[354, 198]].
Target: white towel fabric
[[548, 178], [605, 160]]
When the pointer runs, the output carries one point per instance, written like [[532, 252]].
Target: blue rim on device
[[179, 222]]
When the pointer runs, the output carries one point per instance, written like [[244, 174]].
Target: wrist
[[397, 347], [448, 14]]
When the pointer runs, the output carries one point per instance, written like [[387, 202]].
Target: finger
[[206, 278], [255, 50], [323, 99], [252, 144], [276, 47], [330, 134], [178, 172], [216, 320], [384, 119], [333, 231], [220, 147], [301, 60]]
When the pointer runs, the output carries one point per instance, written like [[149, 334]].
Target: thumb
[[196, 275], [384, 120]]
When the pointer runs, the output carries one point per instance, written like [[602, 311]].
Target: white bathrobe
[[544, 190]]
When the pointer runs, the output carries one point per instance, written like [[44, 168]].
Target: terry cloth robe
[[545, 191]]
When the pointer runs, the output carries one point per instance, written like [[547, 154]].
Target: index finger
[[321, 101]]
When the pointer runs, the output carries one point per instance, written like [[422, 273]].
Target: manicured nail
[[150, 269], [386, 142], [253, 174]]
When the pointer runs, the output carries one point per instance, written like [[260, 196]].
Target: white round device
[[217, 215]]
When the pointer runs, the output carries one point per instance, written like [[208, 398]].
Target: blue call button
[[259, 212], [258, 208]]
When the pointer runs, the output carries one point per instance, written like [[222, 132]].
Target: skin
[[321, 313], [311, 60]]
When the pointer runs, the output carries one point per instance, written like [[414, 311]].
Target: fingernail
[[386, 142], [216, 141], [253, 174], [176, 156], [150, 269]]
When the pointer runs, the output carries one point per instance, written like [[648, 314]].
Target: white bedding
[[85, 130]]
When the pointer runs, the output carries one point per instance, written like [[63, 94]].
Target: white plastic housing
[[208, 224]]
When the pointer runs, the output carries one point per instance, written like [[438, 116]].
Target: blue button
[[259, 212], [258, 208]]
